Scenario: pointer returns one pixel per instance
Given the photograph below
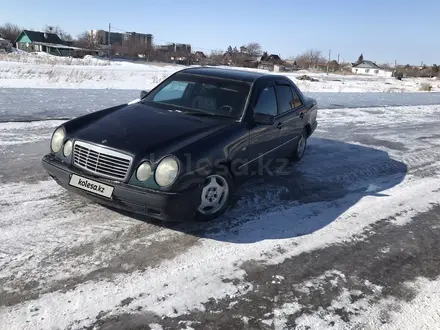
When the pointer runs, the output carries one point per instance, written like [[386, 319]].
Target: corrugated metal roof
[[61, 46], [367, 65], [37, 36]]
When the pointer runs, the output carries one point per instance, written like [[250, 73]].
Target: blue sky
[[383, 31]]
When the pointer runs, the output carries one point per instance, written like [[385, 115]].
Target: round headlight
[[57, 139], [143, 172], [68, 146], [166, 172]]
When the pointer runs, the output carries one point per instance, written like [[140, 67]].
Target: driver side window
[[267, 102], [172, 91]]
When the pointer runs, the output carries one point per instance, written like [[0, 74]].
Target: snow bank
[[119, 75], [40, 70], [19, 56]]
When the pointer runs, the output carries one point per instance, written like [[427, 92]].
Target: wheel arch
[[308, 129]]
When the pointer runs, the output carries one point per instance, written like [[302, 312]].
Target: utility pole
[[109, 45], [338, 58], [329, 55]]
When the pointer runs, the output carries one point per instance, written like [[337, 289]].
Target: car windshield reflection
[[195, 94]]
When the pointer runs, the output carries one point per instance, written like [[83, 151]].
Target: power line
[[117, 29]]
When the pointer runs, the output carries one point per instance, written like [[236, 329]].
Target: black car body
[[194, 134]]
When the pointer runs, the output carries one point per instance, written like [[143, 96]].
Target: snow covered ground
[[349, 239], [44, 71]]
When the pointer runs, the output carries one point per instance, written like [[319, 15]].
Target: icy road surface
[[348, 239], [39, 103]]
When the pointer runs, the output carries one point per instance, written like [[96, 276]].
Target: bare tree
[[310, 58], [254, 49], [435, 70], [387, 66], [137, 49], [216, 52], [59, 31], [10, 31], [217, 56], [333, 65], [84, 40]]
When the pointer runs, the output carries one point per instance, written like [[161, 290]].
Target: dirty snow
[[196, 275], [421, 313], [387, 314]]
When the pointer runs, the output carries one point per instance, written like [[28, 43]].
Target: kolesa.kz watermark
[[87, 184]]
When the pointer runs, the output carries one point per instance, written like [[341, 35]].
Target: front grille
[[101, 161]]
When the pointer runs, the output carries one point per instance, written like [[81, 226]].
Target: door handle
[[279, 125], [301, 115]]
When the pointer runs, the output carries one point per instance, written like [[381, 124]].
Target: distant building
[[268, 62], [139, 38], [121, 39], [50, 43], [175, 48], [370, 68], [178, 53], [199, 57], [5, 45]]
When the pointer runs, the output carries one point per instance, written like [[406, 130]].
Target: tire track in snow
[[73, 240], [208, 273], [334, 177], [334, 287]]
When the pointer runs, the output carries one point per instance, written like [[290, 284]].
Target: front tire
[[215, 197], [300, 148]]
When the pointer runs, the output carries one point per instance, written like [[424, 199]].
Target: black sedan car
[[177, 152]]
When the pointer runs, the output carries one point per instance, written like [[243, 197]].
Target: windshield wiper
[[203, 113]]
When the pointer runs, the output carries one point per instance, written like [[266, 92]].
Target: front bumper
[[160, 205]]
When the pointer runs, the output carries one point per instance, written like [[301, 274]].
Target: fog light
[[68, 146]]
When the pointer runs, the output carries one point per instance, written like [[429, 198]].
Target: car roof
[[225, 73]]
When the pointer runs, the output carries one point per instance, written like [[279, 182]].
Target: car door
[[263, 139], [301, 106], [290, 118]]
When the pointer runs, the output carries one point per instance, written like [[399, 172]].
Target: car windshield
[[198, 94]]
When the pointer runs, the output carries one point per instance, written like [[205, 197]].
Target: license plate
[[91, 185]]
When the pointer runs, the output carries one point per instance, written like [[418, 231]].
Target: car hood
[[139, 128]]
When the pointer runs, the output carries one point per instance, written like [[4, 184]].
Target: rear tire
[[300, 148]]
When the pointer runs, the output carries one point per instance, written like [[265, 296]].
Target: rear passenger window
[[285, 98], [267, 102], [296, 100]]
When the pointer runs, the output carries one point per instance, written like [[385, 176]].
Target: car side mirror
[[143, 94], [264, 119]]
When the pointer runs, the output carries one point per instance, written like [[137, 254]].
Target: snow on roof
[[367, 64], [61, 46]]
